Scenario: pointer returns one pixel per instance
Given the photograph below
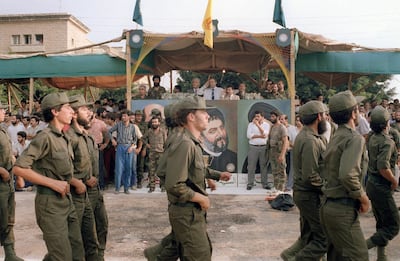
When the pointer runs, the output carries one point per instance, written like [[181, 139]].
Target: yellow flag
[[208, 26]]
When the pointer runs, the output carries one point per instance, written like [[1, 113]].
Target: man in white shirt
[[229, 95], [211, 91], [14, 128], [257, 133]]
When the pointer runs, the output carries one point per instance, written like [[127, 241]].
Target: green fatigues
[[382, 154], [96, 198], [156, 141], [276, 134], [7, 196], [307, 162], [188, 221], [82, 171], [345, 160], [50, 154], [141, 160], [156, 92]]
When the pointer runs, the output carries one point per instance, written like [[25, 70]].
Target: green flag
[[137, 14], [279, 16]]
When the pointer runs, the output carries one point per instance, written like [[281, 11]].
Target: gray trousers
[[257, 153]]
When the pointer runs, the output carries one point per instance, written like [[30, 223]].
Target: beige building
[[39, 33]]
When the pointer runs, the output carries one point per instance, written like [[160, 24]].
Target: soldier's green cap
[[379, 115], [52, 100], [3, 106], [194, 103], [311, 108], [343, 100], [170, 110], [155, 111], [138, 112], [78, 100]]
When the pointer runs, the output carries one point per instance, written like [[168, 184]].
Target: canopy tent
[[243, 52]]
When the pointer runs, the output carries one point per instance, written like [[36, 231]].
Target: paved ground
[[242, 226]]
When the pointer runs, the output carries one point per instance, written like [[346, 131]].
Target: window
[[16, 39], [39, 39], [27, 39]]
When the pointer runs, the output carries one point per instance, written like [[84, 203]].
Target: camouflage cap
[[379, 115], [194, 103], [138, 112], [343, 100], [155, 111], [78, 100], [311, 108], [52, 100]]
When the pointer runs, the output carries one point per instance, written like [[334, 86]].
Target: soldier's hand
[[5, 176], [395, 184], [61, 187], [364, 203], [80, 188], [19, 182], [205, 203], [211, 184], [225, 176], [92, 182]]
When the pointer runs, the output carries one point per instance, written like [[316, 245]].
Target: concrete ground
[[241, 224]]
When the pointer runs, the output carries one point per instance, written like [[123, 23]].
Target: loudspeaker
[[135, 38], [215, 27], [282, 37]]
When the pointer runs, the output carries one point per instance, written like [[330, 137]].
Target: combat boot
[[381, 255], [152, 252], [9, 253], [289, 253]]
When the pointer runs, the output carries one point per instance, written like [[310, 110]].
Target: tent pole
[[128, 72], [30, 95], [349, 83], [292, 75], [170, 81], [9, 96]]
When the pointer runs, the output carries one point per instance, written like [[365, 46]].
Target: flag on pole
[[208, 26], [137, 14], [279, 16]]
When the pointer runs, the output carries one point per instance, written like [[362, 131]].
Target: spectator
[[156, 91], [211, 91], [142, 95], [229, 95], [195, 89], [242, 91], [177, 89]]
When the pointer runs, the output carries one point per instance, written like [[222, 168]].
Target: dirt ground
[[242, 226]]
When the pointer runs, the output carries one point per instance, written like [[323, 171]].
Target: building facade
[[41, 33]]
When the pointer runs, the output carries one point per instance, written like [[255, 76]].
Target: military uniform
[[142, 157], [156, 92], [275, 144], [7, 197], [50, 154], [82, 171], [382, 153], [156, 141], [182, 181], [345, 160], [97, 200], [307, 163]]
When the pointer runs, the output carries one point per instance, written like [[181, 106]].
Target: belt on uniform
[[46, 191], [258, 145], [345, 201], [186, 204]]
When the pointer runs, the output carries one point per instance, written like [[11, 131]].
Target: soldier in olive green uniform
[[307, 162], [277, 146], [82, 173], [7, 193], [344, 197], [185, 184], [47, 162], [382, 153], [96, 198], [154, 140], [156, 91], [141, 159]]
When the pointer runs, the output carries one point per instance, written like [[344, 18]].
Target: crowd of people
[[76, 149]]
